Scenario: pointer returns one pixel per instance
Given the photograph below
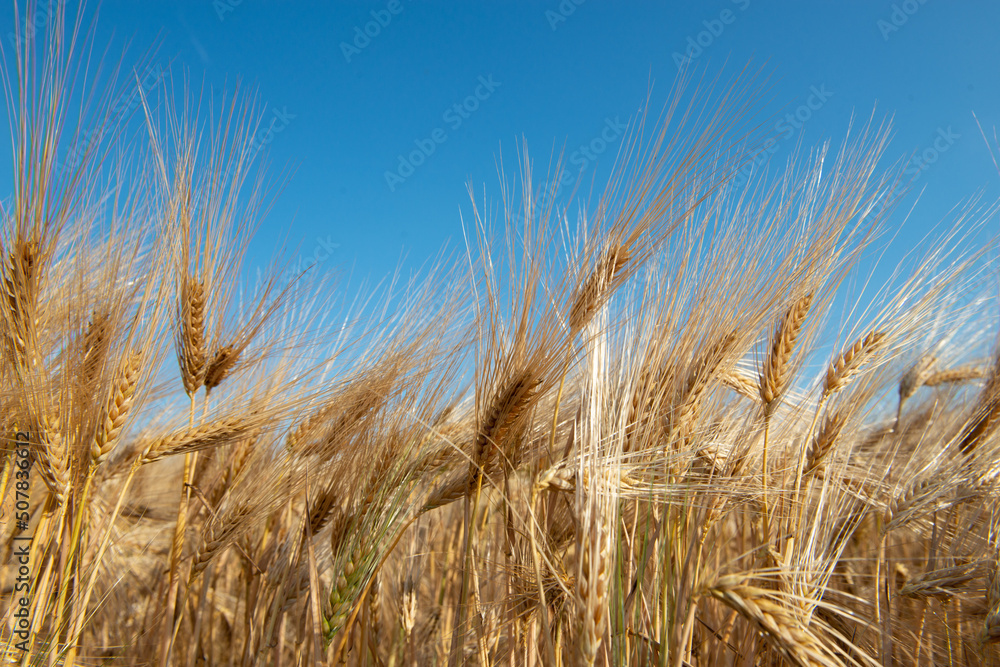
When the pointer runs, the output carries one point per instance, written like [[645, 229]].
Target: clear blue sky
[[558, 74]]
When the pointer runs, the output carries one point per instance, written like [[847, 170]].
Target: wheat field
[[682, 426]]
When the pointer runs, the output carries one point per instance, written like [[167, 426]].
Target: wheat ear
[[198, 438], [501, 415], [827, 436], [953, 375], [347, 584], [191, 337], [95, 345], [53, 457], [687, 401], [593, 588], [222, 363], [915, 377], [787, 631], [298, 435], [987, 413], [774, 374], [594, 290], [849, 362], [115, 412], [943, 583], [741, 384], [21, 292], [220, 535]]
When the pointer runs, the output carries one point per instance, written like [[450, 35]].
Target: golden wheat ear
[[774, 374], [987, 413], [916, 377], [782, 624], [222, 363], [117, 409], [824, 441], [595, 290], [21, 269], [956, 375], [191, 332], [850, 362], [502, 414]]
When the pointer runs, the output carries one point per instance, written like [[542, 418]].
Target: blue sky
[[559, 74]]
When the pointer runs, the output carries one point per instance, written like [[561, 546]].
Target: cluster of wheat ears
[[661, 434]]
